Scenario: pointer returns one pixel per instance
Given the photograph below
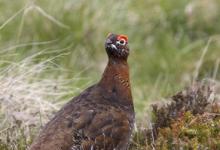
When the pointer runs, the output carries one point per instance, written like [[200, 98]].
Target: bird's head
[[117, 46]]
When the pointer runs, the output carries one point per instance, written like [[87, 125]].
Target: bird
[[102, 116]]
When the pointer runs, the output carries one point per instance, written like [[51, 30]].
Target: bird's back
[[87, 122]]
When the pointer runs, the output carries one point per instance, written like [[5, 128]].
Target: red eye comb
[[120, 37]]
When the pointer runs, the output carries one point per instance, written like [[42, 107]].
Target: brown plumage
[[102, 116]]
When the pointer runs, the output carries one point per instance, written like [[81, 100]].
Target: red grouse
[[102, 116]]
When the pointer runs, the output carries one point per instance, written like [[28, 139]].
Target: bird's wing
[[104, 130]]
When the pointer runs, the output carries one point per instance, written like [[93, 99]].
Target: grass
[[28, 99], [54, 49]]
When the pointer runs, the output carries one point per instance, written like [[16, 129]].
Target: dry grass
[[28, 99]]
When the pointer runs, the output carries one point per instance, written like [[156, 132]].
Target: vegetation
[[51, 50], [189, 120]]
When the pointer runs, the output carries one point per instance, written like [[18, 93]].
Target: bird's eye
[[121, 42]]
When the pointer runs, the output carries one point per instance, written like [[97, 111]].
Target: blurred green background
[[173, 42]]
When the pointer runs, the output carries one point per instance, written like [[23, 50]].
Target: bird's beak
[[114, 47]]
